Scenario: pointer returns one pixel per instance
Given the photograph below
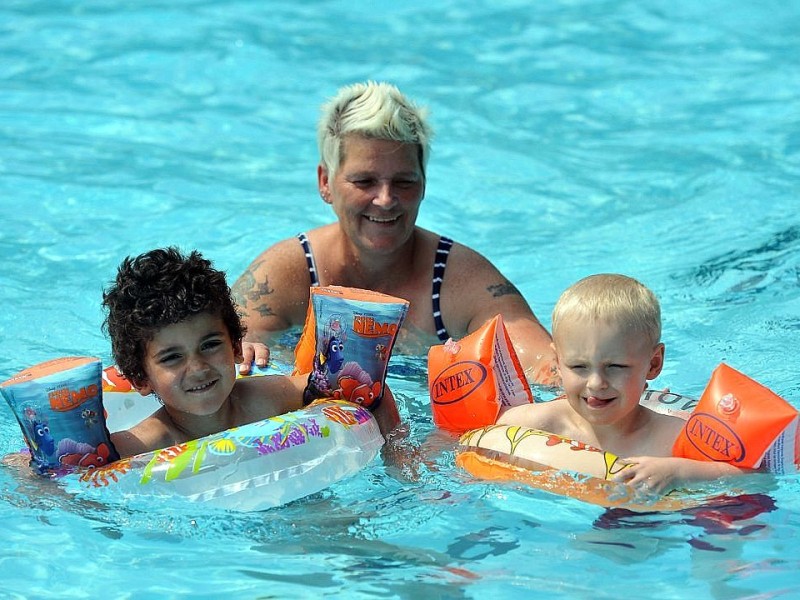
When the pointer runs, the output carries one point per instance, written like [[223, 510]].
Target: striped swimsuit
[[439, 265]]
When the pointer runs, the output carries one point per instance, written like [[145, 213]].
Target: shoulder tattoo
[[247, 291], [503, 289]]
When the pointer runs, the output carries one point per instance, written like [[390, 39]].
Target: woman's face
[[376, 192]]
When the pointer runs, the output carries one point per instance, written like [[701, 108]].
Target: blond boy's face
[[191, 365], [605, 369]]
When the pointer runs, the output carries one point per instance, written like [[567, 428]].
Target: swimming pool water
[[653, 138]]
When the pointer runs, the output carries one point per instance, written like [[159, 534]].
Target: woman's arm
[[387, 414], [272, 295], [474, 291]]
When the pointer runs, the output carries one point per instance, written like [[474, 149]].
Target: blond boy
[[607, 341]]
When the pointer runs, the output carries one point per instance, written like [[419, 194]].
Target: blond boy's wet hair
[[614, 299]]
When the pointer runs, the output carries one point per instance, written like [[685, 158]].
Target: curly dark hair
[[159, 288]]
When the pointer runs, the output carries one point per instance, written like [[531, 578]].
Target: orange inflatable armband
[[346, 343], [741, 422], [472, 379]]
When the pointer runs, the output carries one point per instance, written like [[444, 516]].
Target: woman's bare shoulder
[[464, 255], [278, 256], [273, 289]]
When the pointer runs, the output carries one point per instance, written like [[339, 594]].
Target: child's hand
[[652, 474], [253, 352]]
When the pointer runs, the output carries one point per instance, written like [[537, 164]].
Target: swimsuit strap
[[439, 264], [312, 266]]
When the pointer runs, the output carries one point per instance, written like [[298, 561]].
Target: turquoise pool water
[[654, 138]]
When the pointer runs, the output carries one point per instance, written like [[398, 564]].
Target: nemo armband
[[346, 343], [58, 406]]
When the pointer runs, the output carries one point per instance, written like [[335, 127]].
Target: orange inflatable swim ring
[[555, 464]]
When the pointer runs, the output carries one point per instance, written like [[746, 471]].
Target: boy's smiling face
[[191, 365], [605, 368]]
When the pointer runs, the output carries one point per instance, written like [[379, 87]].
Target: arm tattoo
[[264, 310], [503, 289], [247, 290]]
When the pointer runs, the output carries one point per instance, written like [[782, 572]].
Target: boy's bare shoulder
[[662, 431], [151, 433], [270, 395], [670, 424], [539, 415]]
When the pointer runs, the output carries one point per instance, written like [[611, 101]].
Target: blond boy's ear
[[656, 361], [555, 353]]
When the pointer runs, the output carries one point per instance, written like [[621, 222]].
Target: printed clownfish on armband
[[76, 454], [356, 385]]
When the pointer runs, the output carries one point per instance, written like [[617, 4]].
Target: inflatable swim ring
[[555, 464], [251, 467], [763, 426], [247, 468], [563, 466]]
